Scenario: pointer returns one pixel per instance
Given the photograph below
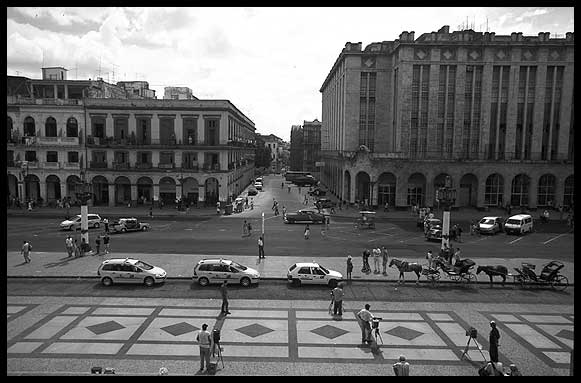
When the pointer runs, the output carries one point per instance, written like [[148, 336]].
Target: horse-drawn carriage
[[366, 220], [549, 275], [460, 271]]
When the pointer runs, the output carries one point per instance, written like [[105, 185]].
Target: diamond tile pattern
[[105, 327], [178, 329], [404, 332], [567, 334], [254, 330], [329, 332]]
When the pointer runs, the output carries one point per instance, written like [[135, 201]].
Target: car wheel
[[245, 282], [149, 281], [144, 228], [96, 225], [71, 228], [333, 283], [107, 281], [203, 281], [124, 230]]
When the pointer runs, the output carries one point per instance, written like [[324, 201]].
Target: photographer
[[364, 318]]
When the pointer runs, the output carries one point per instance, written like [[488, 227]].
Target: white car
[[74, 223], [209, 271], [490, 225], [258, 186], [312, 273], [129, 270]]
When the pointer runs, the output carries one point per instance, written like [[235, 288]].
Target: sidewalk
[[179, 266]]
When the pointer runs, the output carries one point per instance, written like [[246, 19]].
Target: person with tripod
[[364, 318], [205, 342]]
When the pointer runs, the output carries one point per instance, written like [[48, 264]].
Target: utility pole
[[446, 197]]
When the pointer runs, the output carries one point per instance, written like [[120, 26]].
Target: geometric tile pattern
[[105, 327], [329, 332], [567, 334], [404, 332], [254, 330], [179, 328]]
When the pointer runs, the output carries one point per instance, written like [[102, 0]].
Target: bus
[[291, 175]]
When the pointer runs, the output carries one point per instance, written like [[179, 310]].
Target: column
[[154, 129], [533, 190], [565, 116], [111, 189], [66, 91], [201, 159], [430, 193], [179, 129], [223, 160], [511, 113], [352, 187], [375, 193], [154, 158], [132, 125], [179, 188], [433, 89], [480, 191], [55, 87], [178, 154], [200, 129], [43, 192], [133, 194], [507, 193], [63, 186], [539, 108], [109, 129]]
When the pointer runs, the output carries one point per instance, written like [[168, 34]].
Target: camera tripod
[[217, 345], [465, 353], [375, 329]]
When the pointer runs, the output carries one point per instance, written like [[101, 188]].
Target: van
[[519, 224]]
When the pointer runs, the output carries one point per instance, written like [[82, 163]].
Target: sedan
[[312, 273], [304, 216], [74, 223], [252, 191], [490, 225]]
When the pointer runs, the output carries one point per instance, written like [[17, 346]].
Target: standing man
[[218, 207], [384, 259], [376, 255], [365, 317], [493, 338], [349, 267], [224, 293], [106, 243], [366, 268], [430, 258], [69, 246], [106, 223], [26, 248], [401, 368], [307, 231], [260, 247], [244, 229], [205, 342], [338, 300]]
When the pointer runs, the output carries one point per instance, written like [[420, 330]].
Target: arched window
[[10, 133], [50, 127], [520, 190], [29, 127], [546, 190], [569, 191], [493, 190], [72, 127]]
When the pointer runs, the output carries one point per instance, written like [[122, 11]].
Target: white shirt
[[365, 315]]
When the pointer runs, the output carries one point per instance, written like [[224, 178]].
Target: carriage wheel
[[471, 278], [454, 277], [560, 282]]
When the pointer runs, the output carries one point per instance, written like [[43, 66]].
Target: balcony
[[165, 166], [143, 165], [190, 166], [71, 165], [121, 165], [32, 164], [19, 100], [98, 165], [211, 167], [51, 165], [57, 141]]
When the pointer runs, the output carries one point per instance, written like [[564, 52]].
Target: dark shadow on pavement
[[63, 261]]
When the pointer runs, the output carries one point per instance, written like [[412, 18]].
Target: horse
[[404, 267], [491, 271]]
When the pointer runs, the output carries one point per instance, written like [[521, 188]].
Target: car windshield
[[143, 265], [487, 221], [513, 221], [325, 270], [238, 266]]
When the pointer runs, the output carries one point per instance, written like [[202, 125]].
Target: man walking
[[205, 342], [26, 248], [224, 293], [384, 256], [260, 247], [106, 243], [307, 232], [338, 295], [106, 223], [493, 338], [69, 246], [366, 268], [365, 317], [376, 255]]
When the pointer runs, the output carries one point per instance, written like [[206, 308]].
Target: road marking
[[516, 240], [560, 235]]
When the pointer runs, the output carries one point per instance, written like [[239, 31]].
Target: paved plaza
[[138, 336]]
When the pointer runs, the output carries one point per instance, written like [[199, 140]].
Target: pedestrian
[[283, 211], [561, 212], [249, 227], [338, 300], [430, 258], [29, 205], [205, 342], [106, 223], [252, 204], [276, 210], [224, 293], [457, 257], [376, 255], [282, 185], [218, 207], [273, 204], [245, 229], [151, 211], [306, 200], [260, 247], [349, 266], [307, 231], [402, 367], [366, 268], [364, 318], [289, 189], [386, 207], [26, 249], [493, 338], [69, 246], [384, 257], [458, 233], [106, 243], [77, 249], [98, 244]]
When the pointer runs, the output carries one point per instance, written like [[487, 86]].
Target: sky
[[269, 62]]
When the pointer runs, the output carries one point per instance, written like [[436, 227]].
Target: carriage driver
[[364, 318]]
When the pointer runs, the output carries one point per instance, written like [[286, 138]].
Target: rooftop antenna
[[99, 75]]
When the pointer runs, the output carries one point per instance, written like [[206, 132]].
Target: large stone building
[[494, 113], [130, 150], [275, 144], [306, 146]]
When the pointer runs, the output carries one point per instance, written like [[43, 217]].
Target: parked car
[[306, 180], [258, 179], [519, 224], [304, 216], [258, 185], [317, 192], [312, 273], [123, 225], [129, 270], [209, 271], [325, 203], [434, 233], [433, 222], [74, 223], [252, 191], [490, 225]]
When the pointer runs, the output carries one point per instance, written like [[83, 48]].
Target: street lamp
[[446, 197], [83, 194]]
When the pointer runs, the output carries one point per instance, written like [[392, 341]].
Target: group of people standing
[[380, 254]]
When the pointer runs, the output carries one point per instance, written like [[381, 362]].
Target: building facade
[[312, 146], [178, 93], [494, 113], [275, 144], [297, 148], [132, 151]]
